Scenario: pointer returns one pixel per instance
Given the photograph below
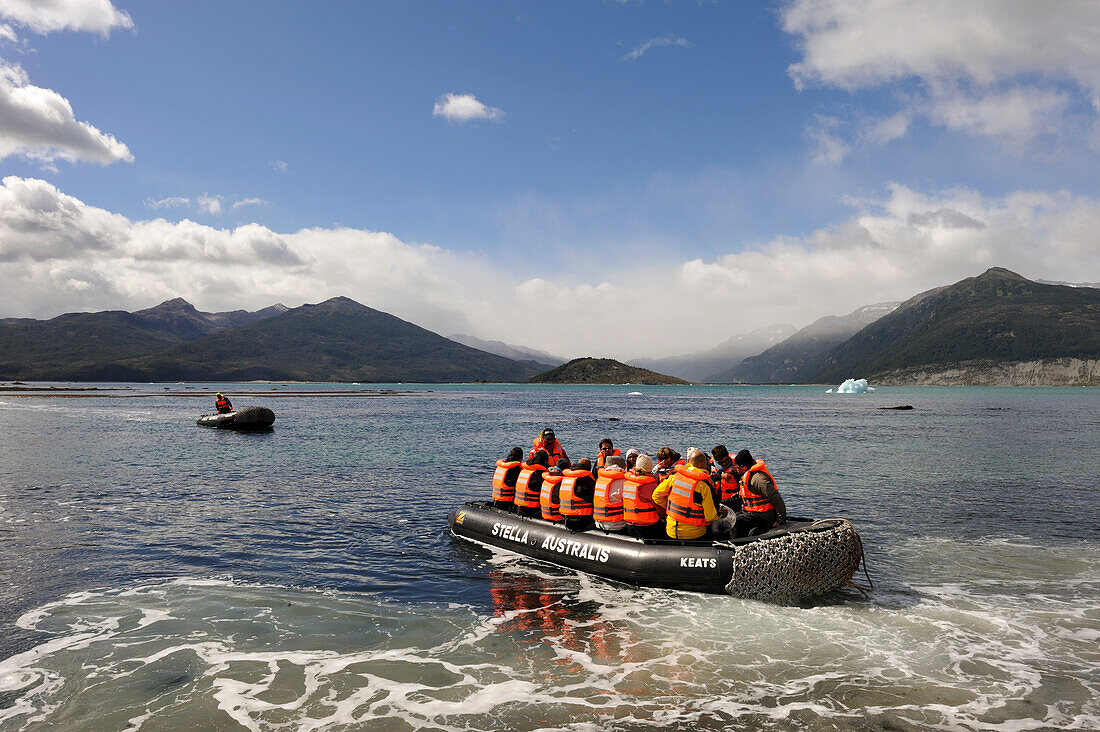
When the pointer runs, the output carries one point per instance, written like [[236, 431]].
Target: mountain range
[[337, 340], [996, 328]]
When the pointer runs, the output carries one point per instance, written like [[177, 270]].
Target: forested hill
[[601, 371], [996, 318]]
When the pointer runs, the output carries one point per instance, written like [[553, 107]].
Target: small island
[[602, 371]]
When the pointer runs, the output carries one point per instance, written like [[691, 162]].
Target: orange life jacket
[[638, 511], [502, 491], [728, 485], [527, 495], [749, 500], [555, 455], [604, 506], [600, 458], [571, 505], [222, 405], [550, 499], [685, 504]]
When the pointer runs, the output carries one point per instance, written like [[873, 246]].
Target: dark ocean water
[[158, 575]]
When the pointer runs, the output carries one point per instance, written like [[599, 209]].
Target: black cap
[[744, 459], [548, 432]]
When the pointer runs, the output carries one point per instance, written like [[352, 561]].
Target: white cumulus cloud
[[458, 108], [39, 124], [1008, 70], [47, 16]]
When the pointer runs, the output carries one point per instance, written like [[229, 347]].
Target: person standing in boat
[[688, 498], [548, 441], [504, 480], [222, 404], [761, 505]]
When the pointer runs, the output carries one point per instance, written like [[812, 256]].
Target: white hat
[[644, 464]]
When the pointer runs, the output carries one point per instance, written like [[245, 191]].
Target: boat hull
[[249, 419], [805, 559]]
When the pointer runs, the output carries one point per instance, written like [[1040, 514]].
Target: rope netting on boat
[[805, 562]]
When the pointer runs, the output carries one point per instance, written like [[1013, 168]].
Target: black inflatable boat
[[801, 559], [249, 419]]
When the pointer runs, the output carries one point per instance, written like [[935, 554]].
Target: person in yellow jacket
[[687, 497]]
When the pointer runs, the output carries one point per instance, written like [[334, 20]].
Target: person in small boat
[[606, 450], [632, 457], [607, 498], [761, 505], [688, 498], [529, 485], [667, 460], [644, 518], [550, 493], [548, 441], [504, 480], [727, 488], [576, 493], [222, 403]]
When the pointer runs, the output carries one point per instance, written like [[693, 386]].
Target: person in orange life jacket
[[504, 480], [607, 449], [222, 404], [548, 441], [727, 489], [576, 496], [632, 457], [761, 505], [607, 498], [550, 493], [529, 485], [667, 460], [688, 498], [644, 518]]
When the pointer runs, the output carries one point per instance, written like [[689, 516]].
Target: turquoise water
[[157, 575]]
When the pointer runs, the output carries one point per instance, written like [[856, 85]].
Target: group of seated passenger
[[674, 497]]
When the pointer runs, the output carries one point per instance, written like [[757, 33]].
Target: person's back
[[643, 517], [607, 497], [550, 494], [577, 490], [222, 404], [504, 480], [688, 499], [529, 485]]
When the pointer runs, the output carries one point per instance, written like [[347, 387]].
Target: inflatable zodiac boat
[[247, 419], [801, 559]]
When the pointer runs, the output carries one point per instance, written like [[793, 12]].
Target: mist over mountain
[[700, 365], [500, 348], [789, 360]]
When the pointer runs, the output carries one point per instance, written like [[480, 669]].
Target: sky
[[590, 178]]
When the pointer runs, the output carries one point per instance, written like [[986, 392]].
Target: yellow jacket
[[674, 528]]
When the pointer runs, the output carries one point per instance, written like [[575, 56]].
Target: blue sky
[[695, 170]]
